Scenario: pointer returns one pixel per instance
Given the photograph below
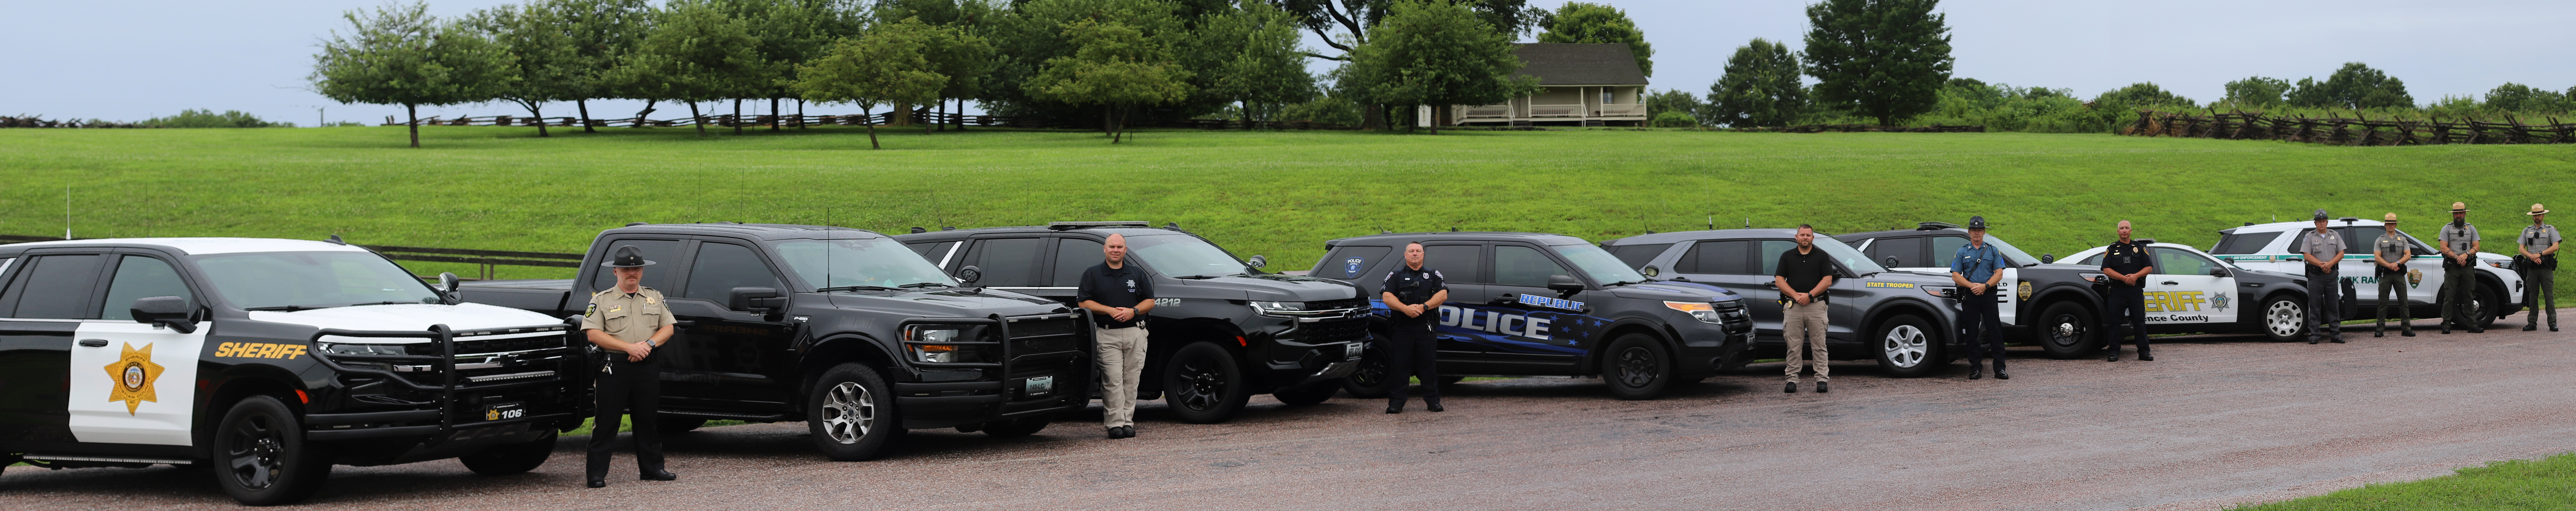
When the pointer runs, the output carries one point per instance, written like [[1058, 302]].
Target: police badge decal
[[2218, 301], [134, 374]]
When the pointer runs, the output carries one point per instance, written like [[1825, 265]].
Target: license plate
[[1351, 351], [1039, 386], [506, 410]]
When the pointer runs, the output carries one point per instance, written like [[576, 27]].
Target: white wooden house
[[1584, 85]]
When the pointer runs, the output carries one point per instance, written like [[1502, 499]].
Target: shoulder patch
[[1436, 273], [593, 310]]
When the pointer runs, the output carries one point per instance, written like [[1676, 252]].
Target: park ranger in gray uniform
[[2459, 271], [2388, 257], [2539, 246], [2322, 250]]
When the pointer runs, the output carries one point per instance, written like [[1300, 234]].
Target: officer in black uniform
[[1413, 295], [627, 322], [2125, 266]]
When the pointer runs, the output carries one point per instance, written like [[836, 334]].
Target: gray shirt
[[2459, 236], [2321, 245], [2538, 237], [2392, 247]]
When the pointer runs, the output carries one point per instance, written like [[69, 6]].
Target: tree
[[1579, 22], [1673, 108], [2140, 94], [966, 59], [2355, 86], [2515, 97], [694, 53], [1269, 66], [602, 33], [399, 54], [1432, 52], [790, 32], [1346, 24], [1879, 58], [1760, 88], [1114, 66], [539, 42], [886, 65], [2256, 91]]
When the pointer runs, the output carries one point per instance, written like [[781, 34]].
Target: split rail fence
[[2356, 131], [486, 259], [880, 119]]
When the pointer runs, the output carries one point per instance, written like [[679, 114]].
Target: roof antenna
[[1748, 222], [67, 212], [335, 240], [1712, 222]]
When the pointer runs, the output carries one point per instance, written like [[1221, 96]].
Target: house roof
[[1580, 64]]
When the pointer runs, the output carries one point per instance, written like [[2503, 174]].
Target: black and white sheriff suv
[[267, 361]]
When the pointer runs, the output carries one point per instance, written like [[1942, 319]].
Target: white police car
[[2268, 247]]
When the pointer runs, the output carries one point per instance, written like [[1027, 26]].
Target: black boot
[[2531, 324], [2115, 355], [1974, 372]]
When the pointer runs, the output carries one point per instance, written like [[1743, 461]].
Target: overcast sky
[[135, 59]]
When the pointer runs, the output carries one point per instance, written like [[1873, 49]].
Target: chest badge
[[134, 374], [613, 309]]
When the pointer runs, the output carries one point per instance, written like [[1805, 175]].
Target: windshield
[[1603, 267], [2010, 252], [857, 262], [1181, 255], [1859, 263], [307, 280]]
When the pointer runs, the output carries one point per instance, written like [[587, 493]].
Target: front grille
[[1044, 335], [1735, 318], [470, 345], [1347, 303], [1345, 330]]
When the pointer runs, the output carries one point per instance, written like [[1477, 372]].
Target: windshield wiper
[[923, 284], [1200, 277], [1626, 282], [289, 308], [856, 288]]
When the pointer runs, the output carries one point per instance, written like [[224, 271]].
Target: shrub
[[1674, 119], [210, 119]]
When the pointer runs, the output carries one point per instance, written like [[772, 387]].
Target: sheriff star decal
[[2218, 301], [134, 374]]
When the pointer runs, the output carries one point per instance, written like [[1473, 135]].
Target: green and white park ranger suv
[[2267, 247]]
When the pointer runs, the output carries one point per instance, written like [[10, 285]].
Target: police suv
[[2194, 292], [1546, 305], [2269, 247], [840, 328], [267, 361], [1901, 319], [2056, 306], [1221, 329]]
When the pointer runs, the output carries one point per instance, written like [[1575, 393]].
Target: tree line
[[1111, 60]]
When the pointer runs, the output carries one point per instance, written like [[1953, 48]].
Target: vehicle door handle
[[2172, 283], [94, 343], [684, 323]]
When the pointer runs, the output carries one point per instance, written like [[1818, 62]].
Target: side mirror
[[165, 311], [1563, 284], [969, 274], [755, 299], [2218, 272], [1891, 261], [447, 283], [2047, 258], [1650, 270], [1258, 262]]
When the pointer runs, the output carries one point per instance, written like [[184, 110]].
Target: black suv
[[1528, 304], [2057, 306], [841, 328], [1222, 330], [1901, 319]]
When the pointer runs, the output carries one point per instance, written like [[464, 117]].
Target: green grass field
[[1275, 193], [2548, 483]]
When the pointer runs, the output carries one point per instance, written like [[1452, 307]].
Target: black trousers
[[1978, 317], [2125, 305], [628, 388], [2325, 305], [1411, 351]]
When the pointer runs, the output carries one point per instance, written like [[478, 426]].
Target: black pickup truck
[[844, 329]]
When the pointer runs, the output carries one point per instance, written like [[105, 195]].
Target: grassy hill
[[1275, 193]]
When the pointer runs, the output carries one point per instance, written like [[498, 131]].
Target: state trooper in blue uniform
[[1413, 295], [1977, 268]]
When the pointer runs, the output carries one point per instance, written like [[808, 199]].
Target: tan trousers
[[1803, 326], [1121, 354]]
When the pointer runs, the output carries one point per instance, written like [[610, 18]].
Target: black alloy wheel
[[2066, 330], [1368, 381], [266, 460], [1203, 384], [1636, 367]]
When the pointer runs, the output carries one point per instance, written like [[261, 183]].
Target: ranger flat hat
[[2459, 207], [2392, 218], [2537, 211], [627, 257], [1977, 222], [2321, 214]]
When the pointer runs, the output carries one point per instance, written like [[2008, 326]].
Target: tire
[[2066, 330], [2285, 318], [1368, 381], [2489, 304], [1636, 367], [264, 458], [851, 414], [676, 425], [1306, 395], [506, 459], [1907, 346], [1203, 385], [1015, 428]]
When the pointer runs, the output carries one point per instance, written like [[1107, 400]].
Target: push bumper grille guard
[[447, 388], [1001, 370]]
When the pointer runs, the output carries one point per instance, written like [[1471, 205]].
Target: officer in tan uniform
[[628, 322]]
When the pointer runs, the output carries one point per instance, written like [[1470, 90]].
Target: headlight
[[925, 347], [1275, 308], [1702, 311], [935, 353]]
